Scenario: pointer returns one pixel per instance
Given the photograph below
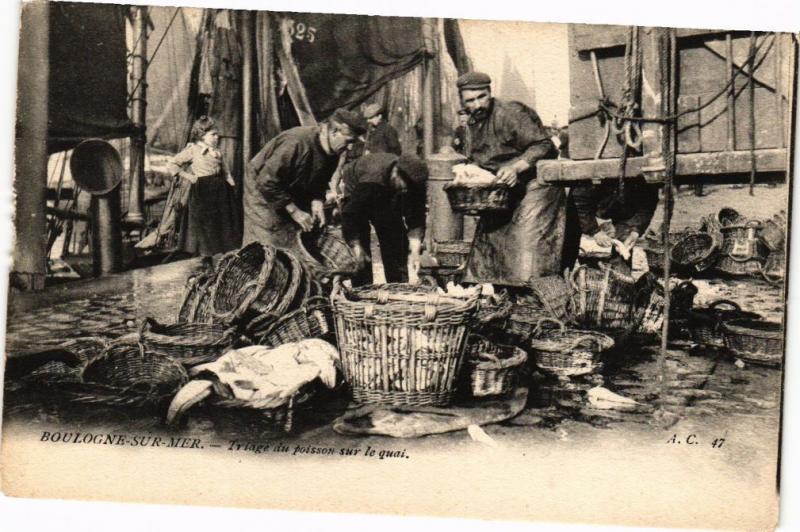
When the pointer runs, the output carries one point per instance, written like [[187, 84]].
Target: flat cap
[[415, 170], [373, 109], [353, 120], [473, 80]]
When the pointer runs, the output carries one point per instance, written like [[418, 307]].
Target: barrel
[[442, 223]]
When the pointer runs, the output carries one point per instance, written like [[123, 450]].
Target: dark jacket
[[383, 139], [370, 198], [630, 211]]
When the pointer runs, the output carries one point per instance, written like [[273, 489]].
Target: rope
[[610, 108], [150, 60], [752, 91]]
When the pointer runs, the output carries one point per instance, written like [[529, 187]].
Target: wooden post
[[429, 74], [653, 46], [138, 112], [30, 179], [247, 86]]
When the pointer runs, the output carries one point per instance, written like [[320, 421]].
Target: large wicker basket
[[477, 199], [524, 318], [654, 252], [189, 343], [554, 293], [400, 344], [743, 254], [605, 298], [493, 368], [755, 341], [567, 352], [705, 324]]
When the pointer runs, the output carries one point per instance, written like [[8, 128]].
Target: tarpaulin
[[343, 59], [168, 76], [88, 75]]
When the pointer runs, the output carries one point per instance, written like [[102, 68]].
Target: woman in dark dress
[[209, 221]]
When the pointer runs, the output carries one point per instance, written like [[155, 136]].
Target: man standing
[[508, 138], [387, 192], [381, 136], [285, 183]]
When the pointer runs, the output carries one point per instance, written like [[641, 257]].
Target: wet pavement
[[701, 388]]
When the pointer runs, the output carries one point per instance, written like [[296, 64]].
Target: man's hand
[[318, 212], [301, 218], [507, 175], [190, 177], [603, 239], [631, 240], [230, 181]]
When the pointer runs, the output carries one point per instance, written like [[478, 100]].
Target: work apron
[[510, 248]]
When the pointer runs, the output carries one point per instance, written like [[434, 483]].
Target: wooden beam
[[687, 164]]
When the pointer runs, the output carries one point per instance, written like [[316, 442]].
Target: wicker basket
[[755, 341], [237, 413], [190, 343], [313, 320], [477, 199], [194, 295], [127, 375], [255, 275], [325, 254], [654, 252], [774, 270], [451, 253], [85, 349], [773, 232], [681, 303], [493, 368], [523, 320], [728, 216], [743, 254], [695, 251], [567, 352], [400, 344], [705, 323], [605, 298], [554, 293]]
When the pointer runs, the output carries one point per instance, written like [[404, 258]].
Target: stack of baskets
[[401, 344], [493, 368], [566, 352], [253, 289], [743, 253], [773, 236], [477, 198]]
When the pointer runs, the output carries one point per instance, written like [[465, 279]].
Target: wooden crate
[[704, 70]]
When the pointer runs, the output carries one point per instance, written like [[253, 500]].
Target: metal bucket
[[96, 166]]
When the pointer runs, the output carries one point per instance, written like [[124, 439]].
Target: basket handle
[[714, 304], [774, 280], [544, 320], [146, 325], [586, 339]]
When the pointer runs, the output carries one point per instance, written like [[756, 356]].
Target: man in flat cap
[[381, 136], [285, 183], [387, 192], [508, 138]]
